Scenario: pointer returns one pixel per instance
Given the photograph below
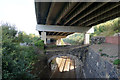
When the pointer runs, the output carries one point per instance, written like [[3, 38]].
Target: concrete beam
[[52, 28], [102, 17], [65, 11], [88, 12], [106, 19], [58, 33], [68, 34], [78, 12], [48, 33], [56, 37], [54, 33], [100, 12], [62, 34], [50, 12]]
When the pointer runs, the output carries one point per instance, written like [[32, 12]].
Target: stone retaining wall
[[89, 64], [110, 39], [97, 40], [96, 67]]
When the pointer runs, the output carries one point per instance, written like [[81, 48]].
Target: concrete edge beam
[[56, 37], [51, 28]]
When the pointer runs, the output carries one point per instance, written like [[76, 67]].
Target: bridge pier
[[47, 39], [87, 38], [46, 28], [87, 35], [43, 36]]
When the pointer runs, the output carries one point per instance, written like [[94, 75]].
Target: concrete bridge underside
[[61, 19]]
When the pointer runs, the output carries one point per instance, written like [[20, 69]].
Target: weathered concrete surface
[[55, 28]]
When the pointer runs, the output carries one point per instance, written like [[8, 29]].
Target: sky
[[20, 13]]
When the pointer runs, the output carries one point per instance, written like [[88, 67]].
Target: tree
[[16, 60], [108, 28], [75, 39]]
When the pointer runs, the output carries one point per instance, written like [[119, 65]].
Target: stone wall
[[97, 40], [74, 53], [95, 67], [89, 64], [109, 39]]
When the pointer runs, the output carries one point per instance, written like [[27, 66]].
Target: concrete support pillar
[[87, 38], [43, 36], [58, 42]]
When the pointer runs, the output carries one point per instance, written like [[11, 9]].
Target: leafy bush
[[40, 44], [103, 54], [116, 62], [100, 50], [16, 60]]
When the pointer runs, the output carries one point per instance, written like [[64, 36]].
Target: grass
[[99, 43], [116, 62], [100, 50], [103, 54]]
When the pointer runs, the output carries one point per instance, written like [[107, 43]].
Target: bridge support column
[[87, 35], [43, 36], [58, 42], [87, 38]]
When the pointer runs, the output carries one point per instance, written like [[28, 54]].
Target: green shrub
[[40, 44], [100, 50], [103, 54], [108, 28], [116, 62], [99, 43], [16, 60]]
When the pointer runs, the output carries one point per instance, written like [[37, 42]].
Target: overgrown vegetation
[[74, 39], [0, 52], [100, 50], [17, 60], [108, 28], [103, 54], [116, 62], [40, 44]]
